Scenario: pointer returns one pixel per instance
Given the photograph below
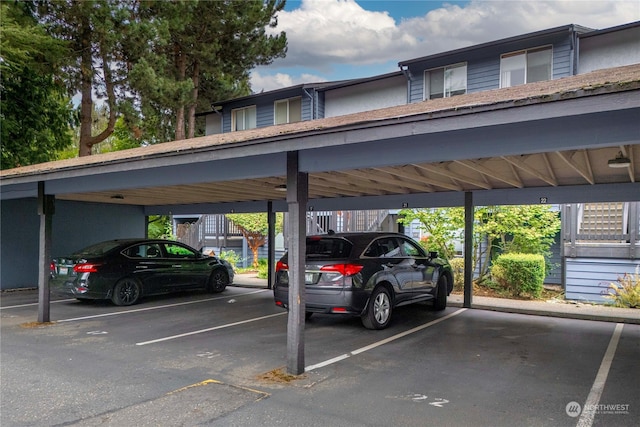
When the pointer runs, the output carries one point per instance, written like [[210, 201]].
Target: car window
[[147, 250], [412, 250], [97, 249], [177, 251], [386, 247], [325, 247]]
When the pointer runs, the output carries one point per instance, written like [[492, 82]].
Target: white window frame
[[287, 102], [446, 91], [504, 82], [243, 111]]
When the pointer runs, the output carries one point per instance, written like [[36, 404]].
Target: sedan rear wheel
[[126, 292], [218, 281], [378, 313]]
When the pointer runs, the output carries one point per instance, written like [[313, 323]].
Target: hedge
[[522, 274]]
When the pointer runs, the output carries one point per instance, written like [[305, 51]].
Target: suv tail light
[[86, 268], [281, 266], [344, 269]]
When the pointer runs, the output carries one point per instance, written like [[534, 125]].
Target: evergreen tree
[[35, 113]]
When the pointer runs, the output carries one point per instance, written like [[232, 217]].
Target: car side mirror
[[433, 254]]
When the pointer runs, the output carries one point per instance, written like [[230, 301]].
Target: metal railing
[[214, 229]]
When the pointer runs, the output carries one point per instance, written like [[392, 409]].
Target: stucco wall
[[365, 97], [74, 226], [609, 50]]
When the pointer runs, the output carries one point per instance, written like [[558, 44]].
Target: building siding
[[588, 279], [483, 66], [74, 225]]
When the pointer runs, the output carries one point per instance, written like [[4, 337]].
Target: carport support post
[[297, 195], [271, 248], [45, 210], [468, 249]]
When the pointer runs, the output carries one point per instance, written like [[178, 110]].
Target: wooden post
[[468, 249], [45, 210], [271, 248], [297, 195]]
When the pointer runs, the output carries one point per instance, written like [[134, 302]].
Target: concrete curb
[[566, 310]]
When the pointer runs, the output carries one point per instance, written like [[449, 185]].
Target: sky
[[330, 40]]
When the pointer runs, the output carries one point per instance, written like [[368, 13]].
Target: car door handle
[[141, 266], [176, 266]]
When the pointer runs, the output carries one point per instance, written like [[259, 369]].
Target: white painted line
[[382, 342], [35, 303], [228, 325], [590, 406], [137, 310]]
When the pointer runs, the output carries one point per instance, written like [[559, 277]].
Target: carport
[[547, 142]]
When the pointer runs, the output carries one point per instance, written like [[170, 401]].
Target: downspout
[[407, 74], [575, 46], [218, 111], [313, 104]]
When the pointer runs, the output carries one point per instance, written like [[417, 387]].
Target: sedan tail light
[[86, 268], [344, 269]]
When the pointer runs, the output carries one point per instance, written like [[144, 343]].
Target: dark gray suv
[[367, 275]]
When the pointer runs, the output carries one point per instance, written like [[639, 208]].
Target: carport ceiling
[[559, 133]]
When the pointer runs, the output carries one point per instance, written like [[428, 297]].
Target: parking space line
[[382, 342], [228, 325], [35, 303], [137, 310], [591, 404]]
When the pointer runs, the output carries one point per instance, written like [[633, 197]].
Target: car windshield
[[97, 249], [327, 247]]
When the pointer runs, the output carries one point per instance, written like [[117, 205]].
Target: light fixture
[[620, 161], [281, 187]]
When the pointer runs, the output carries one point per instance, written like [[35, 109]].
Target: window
[[177, 251], [383, 248], [445, 82], [288, 111], [412, 250], [243, 118], [526, 66]]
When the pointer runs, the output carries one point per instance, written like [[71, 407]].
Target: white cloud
[[323, 34], [266, 82]]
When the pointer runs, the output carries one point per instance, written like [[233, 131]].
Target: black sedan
[[367, 275], [126, 270]]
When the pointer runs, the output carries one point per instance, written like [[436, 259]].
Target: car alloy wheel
[[126, 292], [218, 281], [378, 313]]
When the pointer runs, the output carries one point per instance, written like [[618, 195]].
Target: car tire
[[218, 281], [307, 315], [379, 309], [440, 302], [126, 292]]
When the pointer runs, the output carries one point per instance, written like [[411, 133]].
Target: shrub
[[521, 274], [231, 257], [626, 291], [263, 272], [457, 265]]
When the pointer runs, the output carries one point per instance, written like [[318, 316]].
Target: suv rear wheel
[[378, 313]]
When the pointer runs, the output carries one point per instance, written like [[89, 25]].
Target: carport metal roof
[[548, 140]]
